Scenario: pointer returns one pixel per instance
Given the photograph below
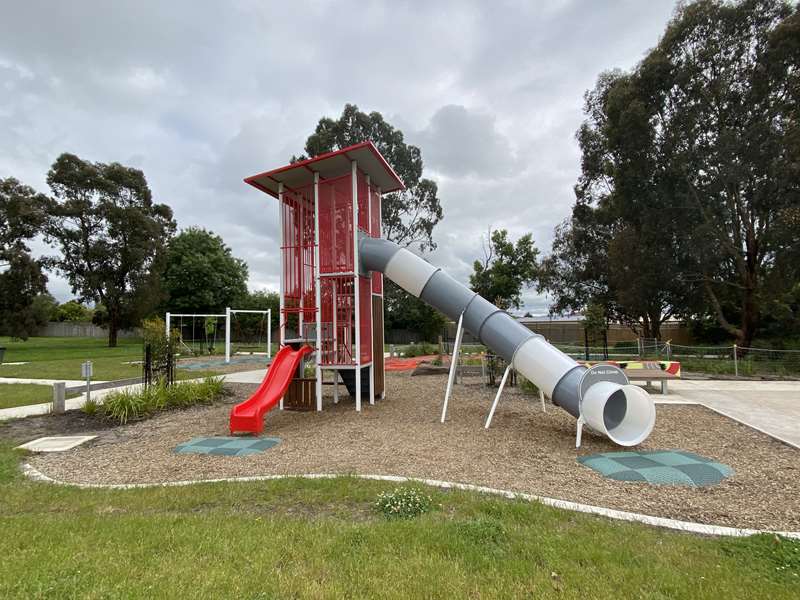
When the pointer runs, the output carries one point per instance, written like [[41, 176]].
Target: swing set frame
[[227, 315]]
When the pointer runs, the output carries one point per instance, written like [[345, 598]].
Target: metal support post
[[317, 294], [497, 397], [453, 360], [227, 334], [356, 284]]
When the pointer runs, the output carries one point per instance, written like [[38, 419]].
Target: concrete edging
[[620, 515]]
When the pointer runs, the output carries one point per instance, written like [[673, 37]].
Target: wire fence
[[716, 360], [730, 360]]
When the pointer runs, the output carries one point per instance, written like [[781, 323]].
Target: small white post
[[169, 318], [227, 334], [269, 333], [453, 361], [335, 386], [59, 395], [497, 397], [579, 432], [372, 382], [735, 361], [541, 399]]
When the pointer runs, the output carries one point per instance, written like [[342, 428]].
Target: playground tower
[[327, 203]]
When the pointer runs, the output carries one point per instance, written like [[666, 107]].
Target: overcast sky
[[200, 96]]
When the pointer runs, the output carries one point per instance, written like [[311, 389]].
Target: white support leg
[[357, 371], [336, 387], [579, 432], [541, 399], [453, 361], [497, 397], [372, 382], [319, 386], [269, 333]]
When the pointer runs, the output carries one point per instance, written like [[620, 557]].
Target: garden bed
[[524, 451]]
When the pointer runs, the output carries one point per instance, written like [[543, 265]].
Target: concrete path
[[772, 407], [256, 376], [69, 382]]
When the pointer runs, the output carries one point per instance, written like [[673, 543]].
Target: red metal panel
[[338, 317], [365, 314], [297, 261], [363, 203], [336, 225], [375, 231]]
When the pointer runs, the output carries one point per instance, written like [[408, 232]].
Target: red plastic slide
[[249, 415]]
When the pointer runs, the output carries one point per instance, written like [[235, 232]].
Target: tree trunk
[[113, 328], [749, 319], [655, 325]]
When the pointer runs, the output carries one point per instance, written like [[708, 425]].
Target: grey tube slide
[[601, 397]]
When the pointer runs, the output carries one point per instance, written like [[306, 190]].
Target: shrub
[[126, 405], [403, 503], [423, 349], [90, 407]]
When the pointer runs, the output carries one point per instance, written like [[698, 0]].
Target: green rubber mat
[[658, 467], [226, 446]]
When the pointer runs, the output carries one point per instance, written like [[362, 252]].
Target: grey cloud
[[459, 142], [201, 95]]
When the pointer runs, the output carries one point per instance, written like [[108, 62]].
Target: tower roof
[[330, 165]]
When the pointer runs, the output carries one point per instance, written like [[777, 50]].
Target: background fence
[[82, 329]]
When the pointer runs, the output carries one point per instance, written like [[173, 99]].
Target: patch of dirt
[[525, 450]]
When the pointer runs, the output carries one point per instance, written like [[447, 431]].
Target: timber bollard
[[59, 396]]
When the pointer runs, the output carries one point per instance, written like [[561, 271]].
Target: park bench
[[647, 371]]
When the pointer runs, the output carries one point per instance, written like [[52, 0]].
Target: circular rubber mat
[[658, 467]]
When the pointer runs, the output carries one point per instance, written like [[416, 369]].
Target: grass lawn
[[23, 394], [61, 358], [322, 539]]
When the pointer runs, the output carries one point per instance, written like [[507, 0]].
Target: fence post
[[735, 362], [669, 349], [59, 395]]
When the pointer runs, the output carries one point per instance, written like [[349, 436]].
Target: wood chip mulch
[[524, 450]]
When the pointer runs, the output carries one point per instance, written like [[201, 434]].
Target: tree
[[253, 326], [404, 311], [620, 247], [689, 176], [408, 217], [201, 274], [112, 237], [22, 280], [724, 87], [72, 311], [505, 269]]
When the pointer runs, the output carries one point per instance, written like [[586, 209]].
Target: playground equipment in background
[[208, 340], [332, 265], [205, 343], [263, 333]]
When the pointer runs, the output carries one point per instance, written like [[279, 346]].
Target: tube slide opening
[[625, 413]]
